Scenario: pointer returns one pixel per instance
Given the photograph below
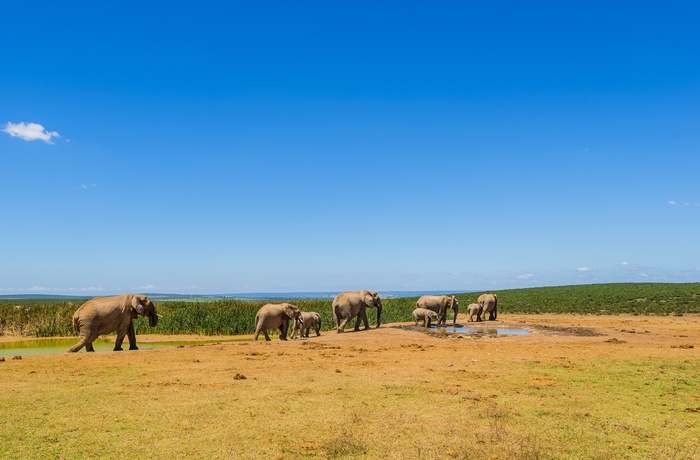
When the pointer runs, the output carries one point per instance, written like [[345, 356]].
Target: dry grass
[[386, 393]]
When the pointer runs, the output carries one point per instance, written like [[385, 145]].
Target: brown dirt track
[[550, 394]]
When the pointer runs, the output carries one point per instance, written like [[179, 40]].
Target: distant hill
[[42, 296], [243, 296]]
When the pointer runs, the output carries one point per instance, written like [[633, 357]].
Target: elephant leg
[[121, 333], [118, 342], [357, 322], [283, 331], [267, 337], [341, 326], [258, 329], [362, 316], [131, 334], [85, 341], [365, 320], [78, 346], [318, 330]]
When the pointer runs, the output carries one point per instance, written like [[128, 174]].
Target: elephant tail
[[76, 324]]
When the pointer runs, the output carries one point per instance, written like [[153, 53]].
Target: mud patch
[[614, 340], [563, 330]]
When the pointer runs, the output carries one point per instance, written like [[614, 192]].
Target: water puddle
[[46, 346], [485, 330]]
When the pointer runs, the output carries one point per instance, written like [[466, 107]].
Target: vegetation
[[53, 318]]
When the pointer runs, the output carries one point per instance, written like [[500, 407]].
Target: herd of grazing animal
[[104, 315]]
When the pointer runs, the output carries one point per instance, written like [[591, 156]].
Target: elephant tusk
[[159, 316]]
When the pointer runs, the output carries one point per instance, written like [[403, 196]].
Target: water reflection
[[486, 330]]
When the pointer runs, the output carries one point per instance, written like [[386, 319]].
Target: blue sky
[[206, 147]]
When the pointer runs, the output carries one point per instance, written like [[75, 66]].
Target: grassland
[[52, 318], [629, 392]]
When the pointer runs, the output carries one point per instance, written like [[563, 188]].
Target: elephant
[[271, 316], [475, 309], [305, 322], [439, 304], [424, 315], [104, 315], [489, 303], [348, 305]]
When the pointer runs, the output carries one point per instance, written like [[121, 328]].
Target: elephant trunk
[[454, 322], [379, 314], [153, 319]]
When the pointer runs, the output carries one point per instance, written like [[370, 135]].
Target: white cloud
[[685, 203], [149, 286], [527, 276], [585, 269], [30, 132], [83, 186]]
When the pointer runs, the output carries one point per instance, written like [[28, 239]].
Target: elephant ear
[[368, 299], [288, 310], [138, 302]]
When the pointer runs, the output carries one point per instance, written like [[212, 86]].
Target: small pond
[[45, 346], [485, 330]]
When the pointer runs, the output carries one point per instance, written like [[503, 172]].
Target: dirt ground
[[385, 379]]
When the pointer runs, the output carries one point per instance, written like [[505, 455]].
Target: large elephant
[[348, 305], [305, 322], [474, 309], [275, 315], [489, 303], [424, 316], [104, 315], [439, 304]]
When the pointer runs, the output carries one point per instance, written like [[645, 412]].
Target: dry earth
[[383, 393]]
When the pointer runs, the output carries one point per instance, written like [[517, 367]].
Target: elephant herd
[[104, 315]]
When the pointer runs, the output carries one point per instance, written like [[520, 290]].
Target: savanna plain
[[608, 371]]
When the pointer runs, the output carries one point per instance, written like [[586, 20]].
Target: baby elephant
[[424, 315], [305, 322], [475, 309]]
